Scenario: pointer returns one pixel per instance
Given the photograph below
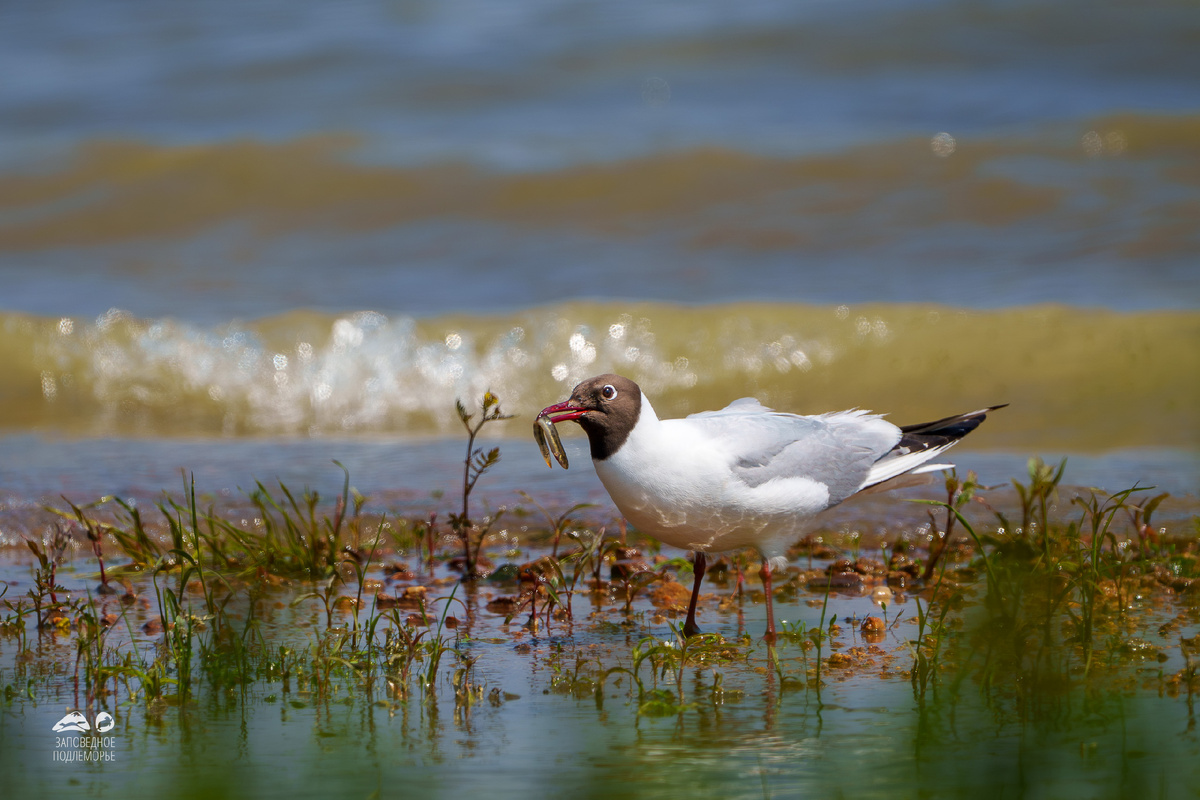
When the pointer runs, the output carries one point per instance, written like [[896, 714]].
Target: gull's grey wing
[[837, 450]]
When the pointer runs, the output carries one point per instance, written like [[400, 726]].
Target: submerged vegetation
[[1025, 596]]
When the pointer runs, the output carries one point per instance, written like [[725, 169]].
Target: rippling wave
[[1091, 212], [1065, 371], [112, 190]]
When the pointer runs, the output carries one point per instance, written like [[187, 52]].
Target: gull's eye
[[608, 392]]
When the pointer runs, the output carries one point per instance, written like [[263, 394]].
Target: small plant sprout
[[1035, 498], [958, 494], [45, 579], [559, 524], [476, 463], [1139, 517]]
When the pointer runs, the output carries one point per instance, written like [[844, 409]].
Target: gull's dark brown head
[[606, 407]]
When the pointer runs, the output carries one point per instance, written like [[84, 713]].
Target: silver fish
[[546, 435]]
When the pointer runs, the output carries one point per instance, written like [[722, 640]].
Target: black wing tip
[[973, 418], [925, 435]]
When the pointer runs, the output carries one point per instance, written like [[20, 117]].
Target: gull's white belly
[[687, 496]]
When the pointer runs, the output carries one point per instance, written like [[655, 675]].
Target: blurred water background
[[235, 232]]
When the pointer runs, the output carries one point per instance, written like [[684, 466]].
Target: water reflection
[[986, 731]]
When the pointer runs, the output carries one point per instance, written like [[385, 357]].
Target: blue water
[[414, 478], [543, 84], [540, 87]]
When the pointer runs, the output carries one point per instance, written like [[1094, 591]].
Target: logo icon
[[74, 721], [92, 745]]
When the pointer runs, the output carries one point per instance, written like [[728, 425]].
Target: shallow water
[[416, 478], [866, 733], [763, 746], [1040, 731]]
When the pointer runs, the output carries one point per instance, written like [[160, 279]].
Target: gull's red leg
[[765, 574]]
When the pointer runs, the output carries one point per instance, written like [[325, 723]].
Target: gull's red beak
[[563, 412]]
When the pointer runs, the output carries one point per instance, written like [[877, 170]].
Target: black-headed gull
[[745, 476]]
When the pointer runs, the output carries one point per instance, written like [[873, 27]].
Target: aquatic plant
[[1049, 611], [671, 657], [297, 540], [585, 679], [546, 577], [426, 534], [13, 624], [1140, 517], [958, 494], [817, 636], [437, 646], [47, 608], [476, 463], [1035, 500], [205, 558], [586, 560], [1024, 626], [1093, 567], [558, 524], [931, 631]]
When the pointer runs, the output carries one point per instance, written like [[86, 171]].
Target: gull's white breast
[[676, 484]]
